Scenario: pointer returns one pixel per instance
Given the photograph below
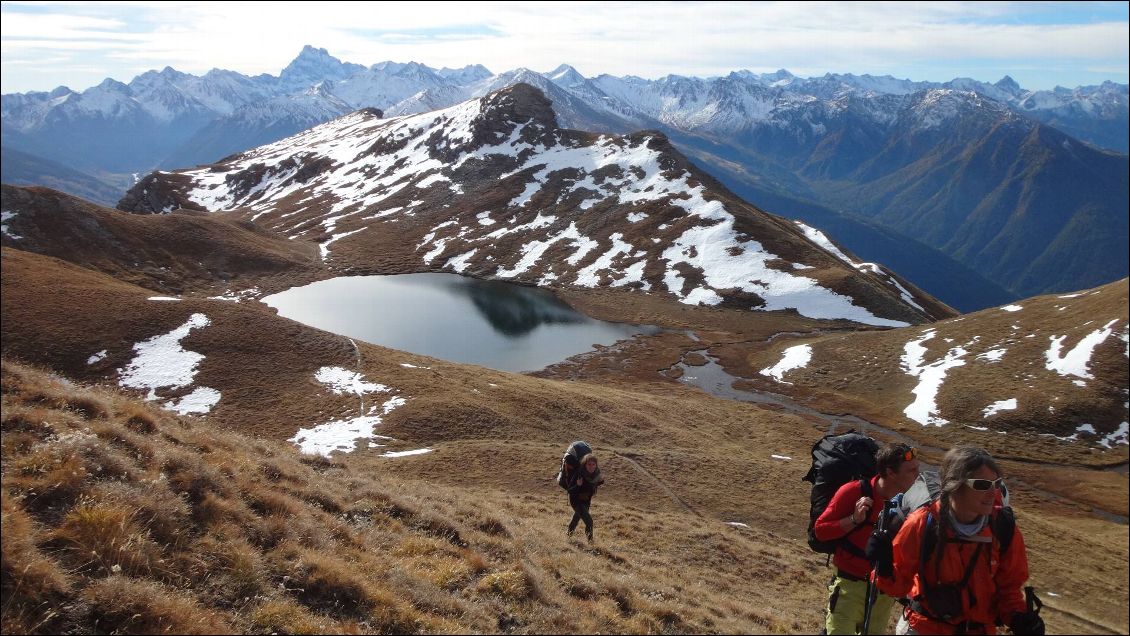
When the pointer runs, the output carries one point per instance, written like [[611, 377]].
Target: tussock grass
[[130, 606], [179, 526], [121, 518]]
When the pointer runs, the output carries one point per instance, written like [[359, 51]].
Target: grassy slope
[[875, 386], [370, 536]]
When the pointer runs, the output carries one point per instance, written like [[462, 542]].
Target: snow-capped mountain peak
[[313, 65], [467, 75], [493, 187], [565, 76]]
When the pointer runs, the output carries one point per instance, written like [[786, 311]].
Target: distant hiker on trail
[[581, 492], [580, 477], [961, 560], [850, 518]]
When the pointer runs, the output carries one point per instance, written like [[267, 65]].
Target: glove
[[880, 552], [1027, 623]]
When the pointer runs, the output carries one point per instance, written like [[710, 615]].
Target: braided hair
[[958, 465]]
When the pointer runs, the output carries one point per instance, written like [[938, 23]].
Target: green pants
[[846, 605]]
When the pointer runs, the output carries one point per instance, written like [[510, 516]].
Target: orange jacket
[[995, 583], [827, 527]]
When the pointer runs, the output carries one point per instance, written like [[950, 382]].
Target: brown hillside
[[1006, 356], [122, 519], [680, 465], [172, 253]]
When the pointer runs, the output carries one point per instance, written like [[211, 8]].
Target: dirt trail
[[659, 482], [1093, 624], [357, 367]]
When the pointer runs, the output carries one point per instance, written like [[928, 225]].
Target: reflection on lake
[[489, 323]]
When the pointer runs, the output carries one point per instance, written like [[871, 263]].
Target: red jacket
[[827, 528], [995, 583]]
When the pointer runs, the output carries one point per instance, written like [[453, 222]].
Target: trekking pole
[[872, 588]]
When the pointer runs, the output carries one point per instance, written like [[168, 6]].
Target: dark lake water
[[488, 323]]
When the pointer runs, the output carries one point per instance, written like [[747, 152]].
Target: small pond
[[489, 323]]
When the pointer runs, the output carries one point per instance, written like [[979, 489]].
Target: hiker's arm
[[830, 524], [904, 549], [1011, 574]]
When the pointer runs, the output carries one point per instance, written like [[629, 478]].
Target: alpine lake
[[494, 324]]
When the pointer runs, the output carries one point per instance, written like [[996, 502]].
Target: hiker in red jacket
[[962, 568], [850, 517]]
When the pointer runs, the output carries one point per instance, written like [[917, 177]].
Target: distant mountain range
[[920, 174]]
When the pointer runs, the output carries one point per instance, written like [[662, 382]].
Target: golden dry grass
[[239, 538], [190, 528]]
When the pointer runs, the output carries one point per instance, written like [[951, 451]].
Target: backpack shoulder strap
[[1003, 523], [845, 543], [929, 542]]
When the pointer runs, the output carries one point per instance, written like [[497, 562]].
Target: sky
[[1039, 44]]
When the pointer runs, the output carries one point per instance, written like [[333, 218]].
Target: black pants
[[580, 512]]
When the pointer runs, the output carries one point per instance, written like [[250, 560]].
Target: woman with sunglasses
[[949, 563]]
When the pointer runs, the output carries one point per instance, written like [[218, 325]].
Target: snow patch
[[1011, 308], [796, 357], [418, 451], [993, 355], [1076, 361], [161, 362], [1120, 436], [97, 357], [6, 216], [164, 298], [930, 377], [201, 400], [344, 435], [343, 381], [821, 239], [997, 407]]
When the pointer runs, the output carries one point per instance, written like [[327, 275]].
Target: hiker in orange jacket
[[850, 517], [959, 580]]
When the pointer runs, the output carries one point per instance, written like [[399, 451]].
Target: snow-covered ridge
[[342, 182]]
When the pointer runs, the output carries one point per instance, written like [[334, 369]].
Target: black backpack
[[836, 460], [572, 459]]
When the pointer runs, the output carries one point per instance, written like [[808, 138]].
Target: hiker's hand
[[1027, 623], [580, 481], [881, 553], [859, 515]]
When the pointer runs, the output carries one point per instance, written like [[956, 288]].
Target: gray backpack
[[571, 461]]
